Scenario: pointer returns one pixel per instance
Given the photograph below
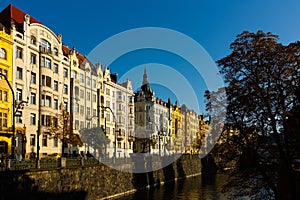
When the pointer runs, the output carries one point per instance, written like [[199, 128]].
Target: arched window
[[2, 53], [33, 40], [55, 51], [46, 46]]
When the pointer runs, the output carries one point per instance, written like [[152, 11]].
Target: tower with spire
[[145, 77], [145, 88]]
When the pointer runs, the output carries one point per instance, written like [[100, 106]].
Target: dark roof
[[2, 27], [12, 15]]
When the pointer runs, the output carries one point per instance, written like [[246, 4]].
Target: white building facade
[[118, 113], [40, 82], [152, 121]]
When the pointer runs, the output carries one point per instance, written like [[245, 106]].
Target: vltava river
[[193, 188]]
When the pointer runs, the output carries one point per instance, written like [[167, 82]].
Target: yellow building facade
[[177, 130], [6, 46]]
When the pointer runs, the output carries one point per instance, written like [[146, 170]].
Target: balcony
[[45, 50]]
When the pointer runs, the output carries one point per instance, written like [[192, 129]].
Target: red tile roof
[[66, 50], [11, 14]]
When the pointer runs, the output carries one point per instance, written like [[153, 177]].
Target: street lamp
[[159, 133]]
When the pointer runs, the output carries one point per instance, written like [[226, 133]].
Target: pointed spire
[[145, 77]]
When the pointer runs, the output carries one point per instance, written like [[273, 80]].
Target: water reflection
[[199, 187]]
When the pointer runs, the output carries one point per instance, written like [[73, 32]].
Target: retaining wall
[[94, 182]]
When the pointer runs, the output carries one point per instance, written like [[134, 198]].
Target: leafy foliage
[[262, 78]]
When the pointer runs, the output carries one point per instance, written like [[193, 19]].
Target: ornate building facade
[[6, 135], [152, 121], [40, 81]]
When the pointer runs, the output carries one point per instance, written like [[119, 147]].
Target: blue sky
[[213, 24]]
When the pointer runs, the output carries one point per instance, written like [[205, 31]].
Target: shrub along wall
[[94, 182]]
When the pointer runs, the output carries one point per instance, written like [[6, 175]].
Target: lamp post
[[159, 133]]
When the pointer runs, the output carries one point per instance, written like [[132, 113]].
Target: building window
[[94, 83], [55, 51], [82, 94], [65, 89], [81, 78], [55, 104], [88, 111], [33, 40], [81, 125], [4, 72], [74, 74], [131, 100], [94, 98], [46, 81], [77, 107], [32, 139], [55, 68], [45, 140], [33, 58], [19, 73], [32, 119], [2, 53], [19, 117], [88, 81], [82, 110], [0, 95], [66, 105], [76, 124], [46, 120], [3, 119], [94, 112], [43, 61], [19, 52], [55, 142], [33, 98], [45, 45], [48, 101], [55, 86], [19, 94], [33, 78], [65, 72], [5, 96], [107, 91], [88, 96], [48, 63]]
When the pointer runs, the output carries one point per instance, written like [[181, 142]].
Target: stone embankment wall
[[94, 182]]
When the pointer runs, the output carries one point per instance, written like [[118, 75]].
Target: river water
[[192, 188]]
